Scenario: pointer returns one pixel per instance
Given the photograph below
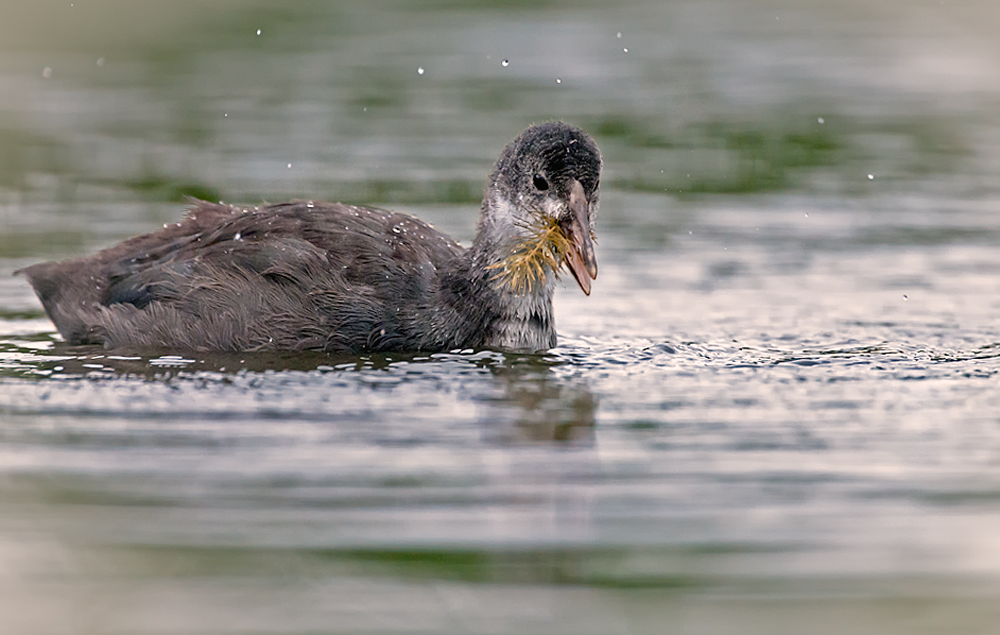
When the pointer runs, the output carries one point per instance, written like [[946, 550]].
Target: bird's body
[[342, 278]]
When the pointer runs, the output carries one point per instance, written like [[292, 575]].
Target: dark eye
[[540, 182]]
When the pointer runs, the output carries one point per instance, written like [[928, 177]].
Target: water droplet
[[310, 204], [871, 177], [289, 165], [47, 72], [395, 229], [238, 236], [619, 36], [558, 81], [420, 70], [100, 62], [258, 31], [820, 119], [807, 214], [625, 50], [225, 114], [505, 63], [905, 297], [365, 109]]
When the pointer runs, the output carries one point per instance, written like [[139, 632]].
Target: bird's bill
[[580, 256]]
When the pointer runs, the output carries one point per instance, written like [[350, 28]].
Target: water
[[775, 413]]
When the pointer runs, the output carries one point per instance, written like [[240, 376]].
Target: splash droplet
[[289, 165], [258, 31], [505, 63], [820, 119], [100, 62], [47, 72], [619, 36], [420, 70], [558, 81], [625, 50], [871, 177]]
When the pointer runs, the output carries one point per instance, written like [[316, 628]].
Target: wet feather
[[543, 249]]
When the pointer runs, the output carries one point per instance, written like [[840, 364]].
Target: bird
[[342, 278]]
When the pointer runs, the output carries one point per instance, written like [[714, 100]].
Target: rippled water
[[776, 413]]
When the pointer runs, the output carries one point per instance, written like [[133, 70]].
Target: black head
[[546, 187], [540, 163]]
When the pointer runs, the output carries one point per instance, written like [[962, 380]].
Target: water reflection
[[545, 407], [523, 402]]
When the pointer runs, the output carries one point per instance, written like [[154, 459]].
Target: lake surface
[[778, 412]]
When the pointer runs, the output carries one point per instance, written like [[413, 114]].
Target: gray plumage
[[339, 278]]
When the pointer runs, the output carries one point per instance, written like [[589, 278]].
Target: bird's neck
[[512, 319]]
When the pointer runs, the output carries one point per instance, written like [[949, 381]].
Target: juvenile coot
[[341, 278]]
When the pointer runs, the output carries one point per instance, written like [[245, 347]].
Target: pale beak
[[580, 256]]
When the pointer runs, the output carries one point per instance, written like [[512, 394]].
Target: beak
[[580, 256]]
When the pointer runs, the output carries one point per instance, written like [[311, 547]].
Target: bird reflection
[[526, 400], [534, 405]]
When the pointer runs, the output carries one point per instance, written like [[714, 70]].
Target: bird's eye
[[540, 182]]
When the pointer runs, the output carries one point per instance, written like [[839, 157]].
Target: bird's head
[[540, 207]]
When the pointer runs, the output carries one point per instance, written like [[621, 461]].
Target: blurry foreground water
[[778, 411]]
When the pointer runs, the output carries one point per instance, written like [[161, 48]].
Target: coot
[[343, 278]]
